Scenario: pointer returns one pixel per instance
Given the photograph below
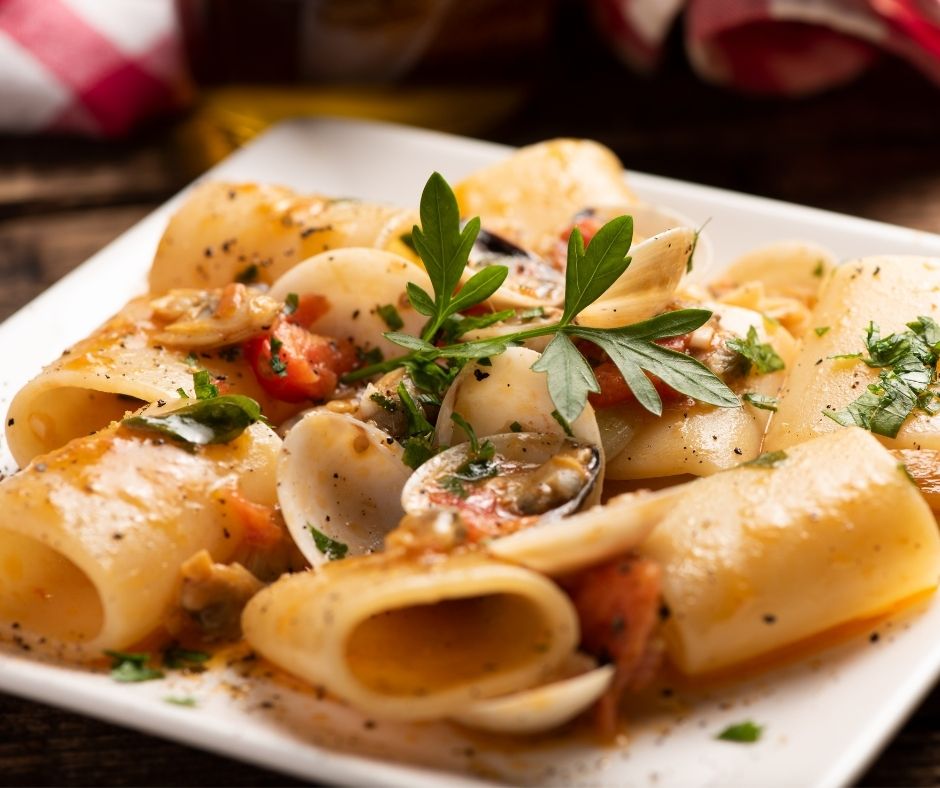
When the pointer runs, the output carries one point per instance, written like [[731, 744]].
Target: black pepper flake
[[738, 451], [369, 725], [769, 618], [117, 536], [226, 533], [207, 251], [479, 374], [874, 637], [818, 362], [664, 612], [10, 422], [355, 315], [335, 475], [161, 403]]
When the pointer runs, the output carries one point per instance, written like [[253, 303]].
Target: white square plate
[[825, 716]]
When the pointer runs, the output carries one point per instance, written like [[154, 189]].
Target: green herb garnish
[[215, 420], [563, 423], [758, 354], [820, 269], [478, 465], [515, 427], [179, 658], [742, 733], [186, 701], [761, 401], [291, 302], [444, 250], [769, 459], [908, 363], [821, 330], [390, 317], [332, 549], [278, 366], [203, 385], [129, 667]]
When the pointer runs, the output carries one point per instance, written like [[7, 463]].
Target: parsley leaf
[[131, 667], [291, 302], [570, 377], [390, 316], [758, 354], [742, 733], [215, 420], [179, 658], [203, 385], [591, 272], [761, 401], [563, 423], [821, 330], [433, 360], [332, 549]]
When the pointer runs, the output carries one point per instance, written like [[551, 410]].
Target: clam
[[356, 283], [543, 707], [648, 285], [344, 479], [559, 547], [650, 220], [203, 319], [503, 395], [532, 280], [508, 481]]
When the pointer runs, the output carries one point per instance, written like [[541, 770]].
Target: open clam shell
[[532, 280], [492, 398], [356, 282], [525, 475], [588, 537], [544, 707], [650, 219], [342, 477], [648, 285]]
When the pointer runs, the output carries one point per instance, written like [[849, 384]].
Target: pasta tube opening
[[44, 593], [434, 647]]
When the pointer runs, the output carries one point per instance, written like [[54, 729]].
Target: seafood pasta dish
[[497, 460]]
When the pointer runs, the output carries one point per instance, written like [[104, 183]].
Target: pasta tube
[[244, 231], [92, 536], [761, 557], [120, 367], [886, 291], [415, 638]]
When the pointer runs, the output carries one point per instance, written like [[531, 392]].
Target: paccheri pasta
[[385, 447]]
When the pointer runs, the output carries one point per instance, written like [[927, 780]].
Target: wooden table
[[872, 150]]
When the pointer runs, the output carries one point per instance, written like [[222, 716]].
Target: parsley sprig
[[908, 362], [444, 248]]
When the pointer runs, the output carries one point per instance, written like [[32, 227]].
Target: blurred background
[[108, 107]]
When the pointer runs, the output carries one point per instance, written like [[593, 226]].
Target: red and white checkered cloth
[[789, 47], [90, 66]]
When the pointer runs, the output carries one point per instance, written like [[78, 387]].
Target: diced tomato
[[588, 226], [310, 308], [308, 365], [481, 512], [614, 389], [261, 528], [618, 606]]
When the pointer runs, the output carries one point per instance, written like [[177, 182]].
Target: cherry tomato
[[302, 366]]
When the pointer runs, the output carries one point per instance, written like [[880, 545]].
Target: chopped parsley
[[821, 330], [515, 427], [278, 365], [291, 302], [390, 316], [907, 381], [332, 549], [385, 403], [820, 269], [745, 732], [759, 355], [179, 658], [203, 385], [131, 667], [769, 459], [761, 401], [479, 464], [371, 356], [187, 701]]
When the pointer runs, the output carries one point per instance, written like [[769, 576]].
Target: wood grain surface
[[871, 149]]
